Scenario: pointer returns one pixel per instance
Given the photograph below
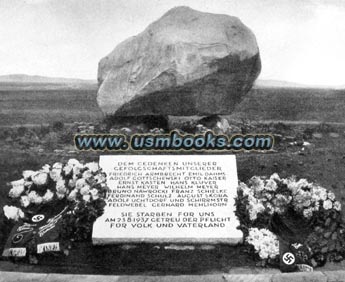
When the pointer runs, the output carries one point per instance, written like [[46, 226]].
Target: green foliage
[[43, 130], [77, 226], [21, 131], [325, 128], [51, 140], [58, 126], [67, 135]]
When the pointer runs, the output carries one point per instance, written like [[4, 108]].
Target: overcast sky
[[301, 41]]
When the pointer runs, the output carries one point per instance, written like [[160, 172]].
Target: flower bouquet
[[57, 203], [265, 243], [295, 211]]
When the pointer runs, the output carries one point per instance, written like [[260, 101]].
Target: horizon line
[[288, 82]]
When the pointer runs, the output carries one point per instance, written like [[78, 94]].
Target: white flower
[[296, 187], [270, 208], [303, 183], [27, 174], [68, 169], [265, 243], [77, 169], [257, 183], [263, 253], [28, 184], [13, 213], [73, 162], [319, 193], [280, 203], [16, 191], [55, 174], [46, 168], [275, 176], [241, 185], [40, 178], [72, 182], [94, 194], [93, 166], [60, 184], [308, 213], [331, 196], [327, 204], [271, 185], [323, 195], [316, 207], [307, 203], [80, 183], [85, 190], [268, 196], [35, 198], [101, 178], [289, 180], [254, 209], [292, 186], [57, 166], [301, 198], [87, 198], [73, 195], [337, 205], [19, 182], [60, 195], [87, 174], [48, 196], [24, 201], [60, 187]]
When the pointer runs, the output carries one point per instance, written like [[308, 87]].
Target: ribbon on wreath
[[41, 233], [294, 257]]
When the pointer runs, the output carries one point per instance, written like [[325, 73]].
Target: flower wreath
[[79, 188], [274, 209]]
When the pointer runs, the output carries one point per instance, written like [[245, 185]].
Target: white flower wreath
[[268, 196]]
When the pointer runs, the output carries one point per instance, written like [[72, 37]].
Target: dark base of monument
[[145, 258]]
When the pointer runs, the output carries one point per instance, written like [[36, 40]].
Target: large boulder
[[185, 63]]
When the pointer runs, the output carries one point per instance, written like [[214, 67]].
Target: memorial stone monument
[[185, 63], [169, 199]]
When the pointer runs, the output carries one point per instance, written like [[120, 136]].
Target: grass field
[[37, 106], [294, 104], [47, 106]]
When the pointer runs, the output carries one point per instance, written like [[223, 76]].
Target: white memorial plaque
[[169, 199]]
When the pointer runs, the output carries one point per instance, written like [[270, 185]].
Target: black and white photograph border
[[176, 140]]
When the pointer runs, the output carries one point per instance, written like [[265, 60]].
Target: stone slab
[[6, 276], [308, 277], [335, 276], [316, 276], [169, 199], [248, 278]]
